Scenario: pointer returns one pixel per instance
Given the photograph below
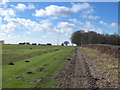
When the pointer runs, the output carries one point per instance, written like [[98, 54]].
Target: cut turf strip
[[51, 63]]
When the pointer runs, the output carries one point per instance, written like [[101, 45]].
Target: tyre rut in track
[[78, 74]]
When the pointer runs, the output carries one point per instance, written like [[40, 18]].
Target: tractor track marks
[[78, 74]]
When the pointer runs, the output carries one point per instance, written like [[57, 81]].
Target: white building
[[2, 42]]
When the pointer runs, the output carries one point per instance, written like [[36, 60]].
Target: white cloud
[[23, 7], [53, 18], [10, 38], [99, 30], [45, 21], [103, 23], [83, 28], [9, 27], [15, 39], [19, 23], [28, 32], [7, 12], [53, 10], [76, 21], [0, 19], [90, 17], [93, 17], [112, 25], [31, 6], [44, 36], [2, 35], [89, 26], [84, 16], [20, 6], [89, 11], [3, 2], [12, 5], [78, 7], [48, 27], [32, 26], [66, 27]]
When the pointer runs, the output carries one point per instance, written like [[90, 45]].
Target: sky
[[54, 22]]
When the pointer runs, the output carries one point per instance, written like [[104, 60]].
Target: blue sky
[[44, 22]]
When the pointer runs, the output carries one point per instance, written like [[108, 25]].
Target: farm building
[[25, 43], [2, 42], [34, 44], [49, 44]]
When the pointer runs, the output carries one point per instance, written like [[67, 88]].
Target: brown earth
[[80, 74]]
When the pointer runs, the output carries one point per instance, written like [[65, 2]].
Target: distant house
[[34, 44], [27, 43], [2, 42], [49, 44], [24, 43]]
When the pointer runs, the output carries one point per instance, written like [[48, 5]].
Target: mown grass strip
[[55, 61], [26, 53]]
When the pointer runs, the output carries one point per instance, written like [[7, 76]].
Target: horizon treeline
[[91, 37]]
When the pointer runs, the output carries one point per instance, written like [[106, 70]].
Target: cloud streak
[[44, 26], [112, 25], [93, 17], [76, 21]]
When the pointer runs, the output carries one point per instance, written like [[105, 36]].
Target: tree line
[[91, 37]]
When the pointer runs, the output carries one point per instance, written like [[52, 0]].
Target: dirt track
[[78, 74]]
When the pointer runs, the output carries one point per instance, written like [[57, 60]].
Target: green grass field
[[39, 56]]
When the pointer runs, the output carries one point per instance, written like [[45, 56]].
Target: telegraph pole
[[57, 38]]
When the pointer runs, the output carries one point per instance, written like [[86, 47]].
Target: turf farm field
[[33, 65]]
